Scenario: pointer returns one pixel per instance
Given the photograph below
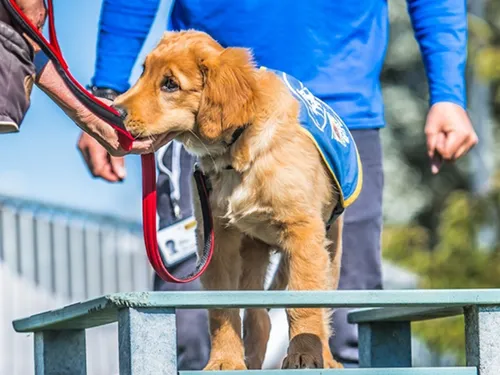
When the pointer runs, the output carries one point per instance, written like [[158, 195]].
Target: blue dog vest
[[332, 139]]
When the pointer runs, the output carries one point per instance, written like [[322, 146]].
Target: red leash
[[111, 116]]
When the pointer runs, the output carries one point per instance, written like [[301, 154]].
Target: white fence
[[51, 256]]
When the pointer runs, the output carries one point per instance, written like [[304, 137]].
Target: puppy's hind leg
[[256, 322]]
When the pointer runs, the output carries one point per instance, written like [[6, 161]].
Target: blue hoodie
[[335, 47]]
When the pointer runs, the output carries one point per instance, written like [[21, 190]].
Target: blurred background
[[65, 237]]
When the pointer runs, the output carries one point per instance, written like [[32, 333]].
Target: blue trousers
[[361, 265], [361, 257]]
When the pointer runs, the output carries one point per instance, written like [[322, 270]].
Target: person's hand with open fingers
[[100, 163], [50, 82], [449, 133], [110, 168], [105, 135]]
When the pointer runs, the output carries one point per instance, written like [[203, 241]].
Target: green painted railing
[[147, 344]]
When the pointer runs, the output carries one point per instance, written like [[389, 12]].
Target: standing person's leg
[[193, 341], [174, 205], [361, 258]]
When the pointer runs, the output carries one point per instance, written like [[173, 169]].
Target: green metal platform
[[384, 326]]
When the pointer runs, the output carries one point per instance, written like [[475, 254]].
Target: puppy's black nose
[[121, 111]]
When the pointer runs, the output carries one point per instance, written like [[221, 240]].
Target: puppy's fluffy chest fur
[[269, 185], [235, 199]]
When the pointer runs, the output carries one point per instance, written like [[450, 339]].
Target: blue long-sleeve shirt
[[336, 48]]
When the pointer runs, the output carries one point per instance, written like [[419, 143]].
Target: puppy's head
[[191, 85]]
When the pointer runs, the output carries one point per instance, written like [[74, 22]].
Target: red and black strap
[[149, 222]]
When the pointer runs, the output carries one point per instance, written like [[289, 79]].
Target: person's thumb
[[118, 166]]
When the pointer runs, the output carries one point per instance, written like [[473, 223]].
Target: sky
[[42, 162]]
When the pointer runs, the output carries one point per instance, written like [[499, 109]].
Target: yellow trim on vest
[[311, 137], [359, 185]]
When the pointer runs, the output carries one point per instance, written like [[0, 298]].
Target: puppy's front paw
[[333, 364], [302, 360], [225, 364], [328, 358]]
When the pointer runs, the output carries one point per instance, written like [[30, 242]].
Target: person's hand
[[106, 135], [50, 82], [449, 133], [99, 162]]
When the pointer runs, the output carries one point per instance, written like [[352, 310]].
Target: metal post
[[60, 353], [385, 344], [482, 330], [147, 341]]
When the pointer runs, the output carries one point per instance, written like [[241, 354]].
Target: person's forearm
[[123, 28], [441, 30], [50, 82]]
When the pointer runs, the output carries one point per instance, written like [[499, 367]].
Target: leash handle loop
[[149, 223]]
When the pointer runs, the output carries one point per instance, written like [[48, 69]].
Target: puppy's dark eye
[[169, 85]]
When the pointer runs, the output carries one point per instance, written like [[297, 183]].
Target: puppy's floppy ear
[[228, 97]]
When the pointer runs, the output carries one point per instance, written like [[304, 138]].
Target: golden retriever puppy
[[271, 187]]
